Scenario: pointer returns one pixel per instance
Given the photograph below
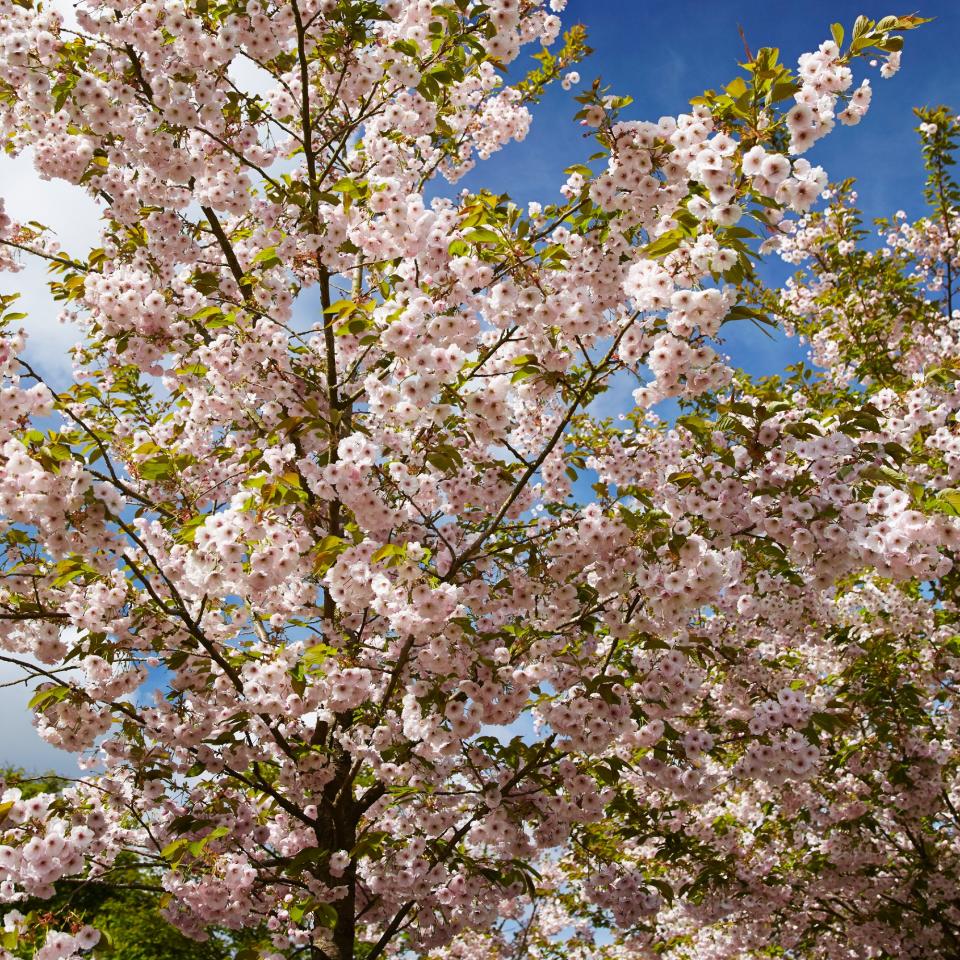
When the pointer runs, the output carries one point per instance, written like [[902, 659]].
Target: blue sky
[[662, 54]]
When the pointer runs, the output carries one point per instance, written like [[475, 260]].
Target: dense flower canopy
[[307, 559]]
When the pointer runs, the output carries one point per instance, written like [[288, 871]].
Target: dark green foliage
[[121, 906]]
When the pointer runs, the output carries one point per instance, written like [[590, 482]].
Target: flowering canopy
[[298, 557]]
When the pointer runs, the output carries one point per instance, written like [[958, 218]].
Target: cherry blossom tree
[[306, 559], [858, 857]]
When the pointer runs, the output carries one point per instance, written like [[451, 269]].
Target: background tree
[[296, 555], [121, 907]]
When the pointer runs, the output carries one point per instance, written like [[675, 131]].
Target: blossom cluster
[[302, 560]]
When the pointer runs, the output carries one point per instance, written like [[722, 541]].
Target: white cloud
[[20, 744], [73, 218]]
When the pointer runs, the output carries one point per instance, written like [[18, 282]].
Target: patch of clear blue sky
[[662, 54]]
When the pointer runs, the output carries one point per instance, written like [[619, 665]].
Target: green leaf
[[663, 245], [196, 847], [171, 850], [445, 460], [43, 698], [950, 499], [665, 889], [355, 325], [347, 185], [304, 858], [267, 257], [368, 844], [339, 307], [206, 282], [737, 87], [185, 823], [748, 313], [860, 27], [837, 30], [481, 235], [318, 653], [327, 552], [326, 915], [389, 550]]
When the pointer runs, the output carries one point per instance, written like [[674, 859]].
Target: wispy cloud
[[20, 744], [73, 219]]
